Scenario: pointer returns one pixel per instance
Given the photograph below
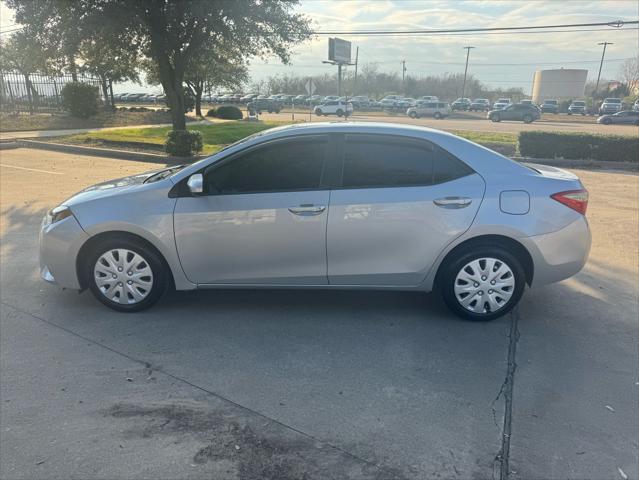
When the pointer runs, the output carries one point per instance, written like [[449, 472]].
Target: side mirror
[[196, 183]]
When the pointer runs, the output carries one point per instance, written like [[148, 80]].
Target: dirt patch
[[257, 447]]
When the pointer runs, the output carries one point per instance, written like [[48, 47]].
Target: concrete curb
[[107, 152], [164, 159]]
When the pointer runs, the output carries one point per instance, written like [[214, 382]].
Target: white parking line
[[31, 169]]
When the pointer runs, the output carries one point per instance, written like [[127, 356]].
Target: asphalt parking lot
[[475, 123], [270, 384]]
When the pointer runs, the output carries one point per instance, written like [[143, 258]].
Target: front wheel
[[126, 275], [495, 118], [528, 119], [318, 112], [412, 114], [482, 284], [339, 113], [606, 121]]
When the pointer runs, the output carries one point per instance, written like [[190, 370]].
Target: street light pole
[[605, 44], [465, 71]]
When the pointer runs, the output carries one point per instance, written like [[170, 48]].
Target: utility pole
[[465, 71], [605, 44], [355, 81], [403, 77]]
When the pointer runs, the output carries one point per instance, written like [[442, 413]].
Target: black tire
[[528, 118], [161, 276], [412, 114], [438, 115], [569, 113], [454, 266], [339, 112], [606, 121], [318, 112], [495, 118]]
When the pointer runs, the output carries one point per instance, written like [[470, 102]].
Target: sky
[[492, 59]]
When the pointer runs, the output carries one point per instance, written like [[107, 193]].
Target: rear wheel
[[606, 121], [340, 112], [495, 118], [126, 275], [318, 112], [482, 284], [528, 118], [412, 114]]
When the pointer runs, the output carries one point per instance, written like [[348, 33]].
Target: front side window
[[284, 166]]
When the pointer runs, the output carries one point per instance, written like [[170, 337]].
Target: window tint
[[374, 161], [384, 161], [285, 166], [447, 167]]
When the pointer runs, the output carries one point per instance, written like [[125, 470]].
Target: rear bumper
[[60, 243], [561, 254]]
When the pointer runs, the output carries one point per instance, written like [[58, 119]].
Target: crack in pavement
[[507, 389], [149, 366]]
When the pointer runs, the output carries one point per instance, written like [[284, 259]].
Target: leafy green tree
[[171, 32], [109, 62], [23, 54]]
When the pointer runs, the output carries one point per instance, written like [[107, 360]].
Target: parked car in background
[[550, 106], [360, 101], [515, 111], [479, 105], [626, 117], [635, 107], [259, 105], [334, 107], [300, 100], [263, 213], [501, 103], [248, 97], [461, 104], [330, 98], [429, 109], [315, 99], [577, 107], [429, 98], [388, 103], [610, 105]]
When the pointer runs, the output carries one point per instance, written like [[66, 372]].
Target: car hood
[[110, 187]]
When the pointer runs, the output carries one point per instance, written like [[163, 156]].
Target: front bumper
[[60, 243], [561, 254]]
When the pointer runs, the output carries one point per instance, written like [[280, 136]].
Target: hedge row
[[580, 146], [227, 112]]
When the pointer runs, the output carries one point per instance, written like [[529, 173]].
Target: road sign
[[310, 86]]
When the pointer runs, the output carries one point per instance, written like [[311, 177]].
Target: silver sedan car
[[326, 205]]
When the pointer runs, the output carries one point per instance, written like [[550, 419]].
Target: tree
[[629, 74], [110, 62], [172, 32], [24, 55]]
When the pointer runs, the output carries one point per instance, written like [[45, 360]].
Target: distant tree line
[[374, 83]]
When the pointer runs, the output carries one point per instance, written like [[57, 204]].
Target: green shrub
[[80, 99], [183, 143], [228, 112], [211, 113], [580, 146]]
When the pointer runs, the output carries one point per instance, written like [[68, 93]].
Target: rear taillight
[[575, 199]]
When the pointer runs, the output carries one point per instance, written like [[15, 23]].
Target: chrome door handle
[[307, 209], [452, 202]]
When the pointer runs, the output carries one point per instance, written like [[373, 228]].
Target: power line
[[615, 24]]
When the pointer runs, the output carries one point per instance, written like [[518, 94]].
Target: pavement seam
[[507, 390], [148, 365]]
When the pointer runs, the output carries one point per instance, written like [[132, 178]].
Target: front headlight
[[58, 213]]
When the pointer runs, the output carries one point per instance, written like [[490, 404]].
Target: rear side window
[[384, 161], [280, 167], [374, 161]]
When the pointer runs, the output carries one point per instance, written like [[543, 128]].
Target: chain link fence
[[37, 93]]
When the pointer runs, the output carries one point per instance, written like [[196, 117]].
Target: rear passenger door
[[398, 204]]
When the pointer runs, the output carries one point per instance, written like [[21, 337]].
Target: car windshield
[[551, 102], [612, 100], [579, 104]]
